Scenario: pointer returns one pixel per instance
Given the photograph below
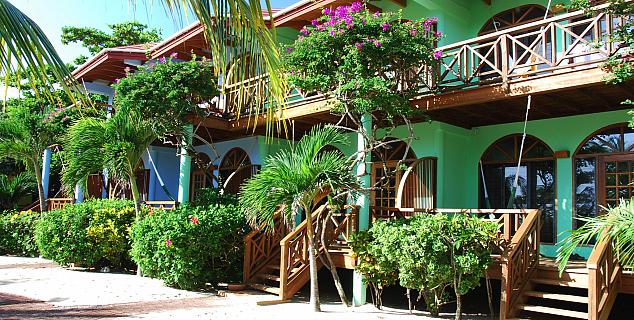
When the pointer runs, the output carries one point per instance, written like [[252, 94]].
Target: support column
[[46, 170], [153, 180], [185, 167], [363, 172], [79, 193]]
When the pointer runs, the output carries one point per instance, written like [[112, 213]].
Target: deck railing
[[604, 280], [555, 45], [519, 262], [262, 247], [167, 205], [57, 203]]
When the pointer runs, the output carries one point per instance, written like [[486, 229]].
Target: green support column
[[185, 167], [363, 171]]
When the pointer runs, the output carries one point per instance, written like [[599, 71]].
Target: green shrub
[[191, 246], [92, 234], [17, 233], [212, 196]]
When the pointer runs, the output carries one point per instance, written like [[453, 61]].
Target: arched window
[[385, 174], [604, 170], [513, 17], [234, 169], [536, 179]]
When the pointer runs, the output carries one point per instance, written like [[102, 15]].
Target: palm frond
[[293, 177], [25, 49], [617, 225]]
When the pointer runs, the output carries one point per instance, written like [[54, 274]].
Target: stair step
[[560, 283], [277, 267], [265, 288], [557, 296], [268, 276], [555, 311]]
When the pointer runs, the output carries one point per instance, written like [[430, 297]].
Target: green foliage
[[427, 253], [165, 92], [121, 34], [17, 233], [617, 225], [14, 188], [191, 246], [295, 176], [211, 196], [367, 61], [92, 234]]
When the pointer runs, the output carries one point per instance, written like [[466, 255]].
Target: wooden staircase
[[277, 262]]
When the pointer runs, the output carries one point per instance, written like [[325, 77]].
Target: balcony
[[476, 77]]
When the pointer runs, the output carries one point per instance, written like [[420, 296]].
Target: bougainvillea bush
[[368, 61], [191, 246]]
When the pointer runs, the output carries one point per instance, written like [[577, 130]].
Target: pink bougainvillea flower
[[437, 54], [385, 26], [314, 22], [438, 34], [174, 55], [413, 32], [304, 31], [194, 220], [168, 243], [327, 11]]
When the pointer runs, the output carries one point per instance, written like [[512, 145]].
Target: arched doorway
[[386, 176], [536, 180], [603, 170], [234, 169], [517, 44]]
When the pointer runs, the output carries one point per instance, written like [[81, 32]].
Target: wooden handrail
[[168, 205], [519, 262], [604, 279], [262, 247]]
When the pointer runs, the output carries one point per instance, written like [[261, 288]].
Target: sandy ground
[[32, 288]]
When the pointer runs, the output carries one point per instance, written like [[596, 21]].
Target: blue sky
[[98, 14]]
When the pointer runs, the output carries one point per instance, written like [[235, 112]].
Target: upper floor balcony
[[560, 54]]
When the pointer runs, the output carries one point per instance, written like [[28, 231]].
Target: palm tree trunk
[[40, 188], [137, 209], [312, 261], [331, 265]]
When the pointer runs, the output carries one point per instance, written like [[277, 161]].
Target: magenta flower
[[168, 243], [356, 6], [314, 22], [289, 50], [377, 43], [413, 32], [437, 54], [117, 80], [385, 26], [162, 60], [438, 34], [376, 14], [359, 45], [327, 11], [304, 31], [174, 55]]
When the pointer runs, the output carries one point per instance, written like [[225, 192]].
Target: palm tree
[[292, 179], [116, 144], [617, 226], [13, 189], [24, 136]]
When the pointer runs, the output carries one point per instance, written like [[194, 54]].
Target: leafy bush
[[212, 196], [428, 253], [191, 246], [17, 233], [92, 234]]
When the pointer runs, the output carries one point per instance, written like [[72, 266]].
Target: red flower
[[194, 220], [168, 243]]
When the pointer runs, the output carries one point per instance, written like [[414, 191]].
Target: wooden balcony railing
[[161, 205], [555, 45], [604, 280], [58, 203], [519, 262]]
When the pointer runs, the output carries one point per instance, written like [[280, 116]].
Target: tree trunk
[[456, 284], [137, 209], [331, 265], [312, 260], [40, 188]]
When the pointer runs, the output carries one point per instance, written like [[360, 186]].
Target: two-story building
[[578, 154]]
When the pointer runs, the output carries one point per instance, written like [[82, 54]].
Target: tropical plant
[[17, 233], [25, 49], [92, 234], [15, 188], [616, 226], [191, 246], [150, 104], [292, 179], [24, 135]]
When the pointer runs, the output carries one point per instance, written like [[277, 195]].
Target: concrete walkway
[[32, 288]]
